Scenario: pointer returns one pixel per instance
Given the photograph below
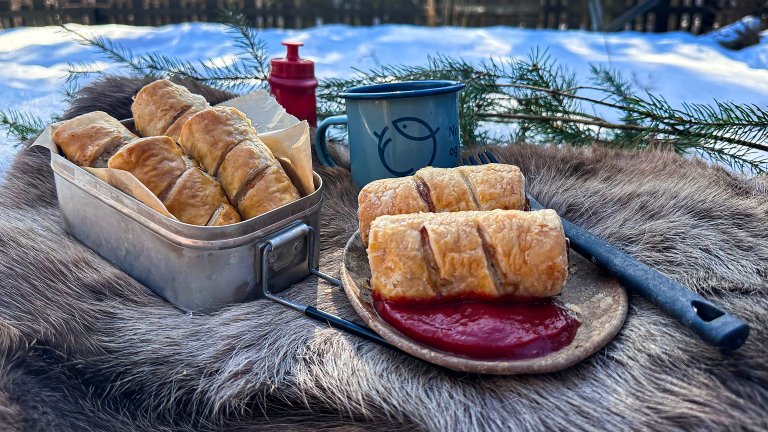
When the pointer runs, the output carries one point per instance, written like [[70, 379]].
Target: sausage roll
[[90, 139], [227, 146], [162, 108], [474, 254], [98, 140], [195, 186], [211, 134], [482, 187], [155, 161]]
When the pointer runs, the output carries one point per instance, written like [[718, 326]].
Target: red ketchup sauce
[[482, 329]]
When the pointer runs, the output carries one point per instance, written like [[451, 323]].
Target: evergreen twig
[[541, 99], [20, 125], [627, 127], [248, 71], [545, 104]]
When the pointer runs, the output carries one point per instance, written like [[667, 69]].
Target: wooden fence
[[696, 16]]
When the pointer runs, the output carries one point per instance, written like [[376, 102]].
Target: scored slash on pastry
[[469, 254], [710, 322], [487, 187]]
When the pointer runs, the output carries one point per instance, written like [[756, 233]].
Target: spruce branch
[[541, 100], [20, 125], [247, 71], [110, 49], [253, 48], [545, 104], [628, 127]]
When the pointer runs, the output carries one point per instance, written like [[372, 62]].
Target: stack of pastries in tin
[[460, 233], [206, 164]]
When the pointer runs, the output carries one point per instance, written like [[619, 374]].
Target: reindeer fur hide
[[85, 347]]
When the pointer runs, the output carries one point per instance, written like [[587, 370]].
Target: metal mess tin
[[193, 267]]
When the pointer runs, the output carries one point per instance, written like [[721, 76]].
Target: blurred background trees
[[695, 16]]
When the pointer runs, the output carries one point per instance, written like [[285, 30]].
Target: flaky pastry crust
[[482, 187], [158, 105], [475, 254], [157, 162], [212, 133], [85, 138], [194, 186], [226, 144]]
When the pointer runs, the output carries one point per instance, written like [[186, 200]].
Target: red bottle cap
[[292, 66]]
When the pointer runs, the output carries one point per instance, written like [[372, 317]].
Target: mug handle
[[321, 148]]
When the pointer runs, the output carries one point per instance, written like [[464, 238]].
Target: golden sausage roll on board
[[162, 108], [227, 146], [98, 140], [468, 255], [482, 187]]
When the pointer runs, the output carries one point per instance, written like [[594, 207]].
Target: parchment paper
[[284, 134], [292, 148], [263, 111], [128, 183]]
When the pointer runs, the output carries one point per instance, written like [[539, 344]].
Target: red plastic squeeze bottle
[[292, 81]]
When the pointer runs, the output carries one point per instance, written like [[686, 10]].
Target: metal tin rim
[[198, 237]]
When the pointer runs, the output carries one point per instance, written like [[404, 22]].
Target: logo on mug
[[411, 129]]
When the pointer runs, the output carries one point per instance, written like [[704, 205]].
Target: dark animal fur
[[84, 347]]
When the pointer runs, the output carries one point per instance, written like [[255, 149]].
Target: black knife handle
[[713, 324], [348, 326]]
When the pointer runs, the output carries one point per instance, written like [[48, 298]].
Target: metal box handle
[[285, 238]]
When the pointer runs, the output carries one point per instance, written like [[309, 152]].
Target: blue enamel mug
[[396, 128]]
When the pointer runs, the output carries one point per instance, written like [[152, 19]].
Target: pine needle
[[546, 105], [248, 72], [540, 98], [20, 125]]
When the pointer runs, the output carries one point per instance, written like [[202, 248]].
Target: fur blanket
[[85, 347]]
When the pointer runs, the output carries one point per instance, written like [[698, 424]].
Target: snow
[[679, 66]]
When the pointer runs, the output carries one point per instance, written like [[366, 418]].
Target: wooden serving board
[[597, 300]]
